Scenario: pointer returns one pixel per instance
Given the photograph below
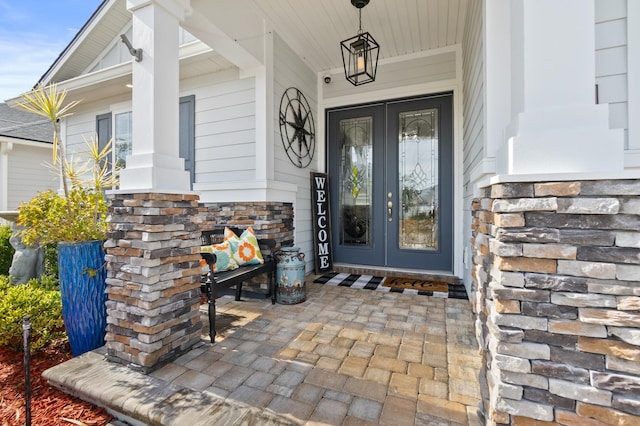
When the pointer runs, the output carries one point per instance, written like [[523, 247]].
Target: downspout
[[5, 148]]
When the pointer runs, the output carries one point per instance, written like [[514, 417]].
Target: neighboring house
[[25, 147], [499, 143]]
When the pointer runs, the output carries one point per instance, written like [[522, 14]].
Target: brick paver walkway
[[343, 357]]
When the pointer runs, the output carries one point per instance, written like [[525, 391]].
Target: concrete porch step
[[141, 400]]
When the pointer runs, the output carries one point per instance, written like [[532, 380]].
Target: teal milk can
[[290, 276]]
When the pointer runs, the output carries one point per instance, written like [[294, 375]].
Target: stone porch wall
[[557, 299], [268, 219]]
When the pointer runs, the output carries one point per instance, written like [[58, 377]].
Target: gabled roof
[[19, 124], [94, 36]]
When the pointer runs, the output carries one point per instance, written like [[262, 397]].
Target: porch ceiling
[[314, 29]]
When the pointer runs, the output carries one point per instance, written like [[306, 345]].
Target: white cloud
[[11, 14], [25, 59]]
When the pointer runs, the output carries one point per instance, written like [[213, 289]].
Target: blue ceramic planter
[[82, 273]]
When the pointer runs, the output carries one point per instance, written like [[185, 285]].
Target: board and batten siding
[[291, 71], [27, 174], [611, 60]]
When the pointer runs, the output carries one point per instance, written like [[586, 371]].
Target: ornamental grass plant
[[80, 212]]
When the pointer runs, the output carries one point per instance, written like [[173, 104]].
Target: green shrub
[[49, 283], [6, 250], [32, 299], [50, 260]]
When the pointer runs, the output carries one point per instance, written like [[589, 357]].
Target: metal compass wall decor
[[297, 130]]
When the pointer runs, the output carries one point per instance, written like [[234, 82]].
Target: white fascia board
[[78, 40], [186, 51], [25, 142], [96, 77], [564, 177]]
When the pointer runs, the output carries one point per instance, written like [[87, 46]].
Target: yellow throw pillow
[[244, 249]]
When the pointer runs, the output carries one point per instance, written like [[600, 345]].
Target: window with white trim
[[119, 123]]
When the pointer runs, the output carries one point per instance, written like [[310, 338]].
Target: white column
[[265, 117], [556, 126], [155, 164], [633, 75], [497, 59]]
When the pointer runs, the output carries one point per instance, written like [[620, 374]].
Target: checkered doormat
[[369, 282]]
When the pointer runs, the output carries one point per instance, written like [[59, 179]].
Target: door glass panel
[[418, 180], [356, 157]]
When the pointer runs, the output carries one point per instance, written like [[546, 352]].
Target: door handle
[[389, 208]]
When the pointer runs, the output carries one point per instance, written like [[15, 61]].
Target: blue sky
[[32, 35]]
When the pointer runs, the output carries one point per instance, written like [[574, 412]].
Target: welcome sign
[[321, 222]]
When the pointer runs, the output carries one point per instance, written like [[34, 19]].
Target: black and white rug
[[369, 282]]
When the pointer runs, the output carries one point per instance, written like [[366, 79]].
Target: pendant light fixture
[[360, 53]]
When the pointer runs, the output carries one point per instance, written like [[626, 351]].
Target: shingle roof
[[16, 123]]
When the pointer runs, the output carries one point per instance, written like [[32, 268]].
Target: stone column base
[[556, 271], [153, 278]]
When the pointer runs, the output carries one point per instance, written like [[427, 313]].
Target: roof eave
[[97, 15]]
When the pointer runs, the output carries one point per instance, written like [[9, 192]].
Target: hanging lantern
[[360, 53]]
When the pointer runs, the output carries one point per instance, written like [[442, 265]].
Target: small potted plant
[[75, 220]]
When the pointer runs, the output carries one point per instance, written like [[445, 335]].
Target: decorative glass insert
[[418, 180], [356, 158]]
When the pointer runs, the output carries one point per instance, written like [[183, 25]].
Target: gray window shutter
[[187, 134], [103, 129]]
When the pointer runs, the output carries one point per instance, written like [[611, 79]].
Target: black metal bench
[[214, 282]]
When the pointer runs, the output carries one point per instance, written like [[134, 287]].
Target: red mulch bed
[[49, 406]]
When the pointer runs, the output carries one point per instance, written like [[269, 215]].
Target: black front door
[[391, 175]]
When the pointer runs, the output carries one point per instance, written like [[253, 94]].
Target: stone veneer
[[557, 299], [153, 278], [268, 219]]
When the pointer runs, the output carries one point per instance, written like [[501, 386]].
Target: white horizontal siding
[[473, 115], [609, 10], [27, 174], [81, 124], [225, 131], [291, 71], [473, 80], [611, 60], [224, 126], [611, 34]]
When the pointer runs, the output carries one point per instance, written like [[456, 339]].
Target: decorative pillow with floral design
[[245, 249], [225, 260]]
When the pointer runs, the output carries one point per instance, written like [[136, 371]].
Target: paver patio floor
[[343, 357]]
